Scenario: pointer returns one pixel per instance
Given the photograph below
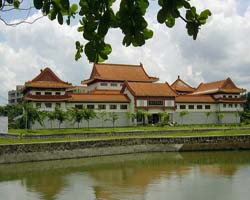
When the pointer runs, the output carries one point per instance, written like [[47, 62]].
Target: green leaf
[[1, 3], [162, 16], [204, 14], [60, 18], [90, 52], [170, 22], [65, 4], [186, 4], [73, 8], [38, 4], [107, 49], [148, 33], [16, 4]]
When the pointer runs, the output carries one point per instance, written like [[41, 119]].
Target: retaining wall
[[76, 149]]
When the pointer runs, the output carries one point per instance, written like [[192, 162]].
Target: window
[[191, 107], [230, 96], [48, 93], [207, 107], [101, 107], [48, 105], [123, 107], [113, 84], [241, 105], [224, 96], [104, 84], [182, 107], [58, 105], [224, 105], [199, 107], [38, 105], [78, 106], [38, 93], [155, 103], [112, 107], [58, 93], [230, 105], [91, 106], [235, 105]]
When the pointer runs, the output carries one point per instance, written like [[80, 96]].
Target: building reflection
[[119, 177]]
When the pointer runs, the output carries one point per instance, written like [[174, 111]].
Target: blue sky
[[222, 49]]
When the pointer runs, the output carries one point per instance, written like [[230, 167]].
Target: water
[[150, 176]]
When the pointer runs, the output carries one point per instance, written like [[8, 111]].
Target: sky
[[221, 50]]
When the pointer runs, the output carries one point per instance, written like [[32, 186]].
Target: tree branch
[[21, 22]]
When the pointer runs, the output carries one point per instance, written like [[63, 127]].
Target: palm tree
[[51, 117], [102, 115], [220, 116], [207, 114], [113, 118], [131, 116], [88, 115], [76, 115], [182, 114], [30, 116], [60, 115]]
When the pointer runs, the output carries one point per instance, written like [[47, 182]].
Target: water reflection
[[200, 175]]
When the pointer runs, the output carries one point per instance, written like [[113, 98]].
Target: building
[[213, 102], [123, 89], [15, 96]]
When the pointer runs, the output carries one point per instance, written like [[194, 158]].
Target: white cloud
[[222, 49]]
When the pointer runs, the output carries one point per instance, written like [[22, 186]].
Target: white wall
[[98, 86], [213, 107], [3, 124]]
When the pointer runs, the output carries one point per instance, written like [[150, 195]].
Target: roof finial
[[41, 70], [178, 76]]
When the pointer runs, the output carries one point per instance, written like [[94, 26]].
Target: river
[[146, 176]]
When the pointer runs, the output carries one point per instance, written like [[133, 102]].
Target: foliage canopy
[[97, 17]]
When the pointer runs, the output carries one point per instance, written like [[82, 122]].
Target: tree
[[60, 115], [76, 115], [102, 115], [220, 116], [207, 114], [97, 17], [88, 115], [182, 114], [30, 116], [113, 118], [51, 117], [130, 116], [164, 118]]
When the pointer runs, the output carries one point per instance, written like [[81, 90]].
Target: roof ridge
[[116, 64]]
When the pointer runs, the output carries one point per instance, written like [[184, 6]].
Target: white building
[[123, 89]]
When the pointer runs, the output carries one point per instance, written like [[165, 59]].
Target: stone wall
[[3, 124], [77, 149]]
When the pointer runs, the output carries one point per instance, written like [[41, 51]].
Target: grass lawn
[[211, 133], [120, 129]]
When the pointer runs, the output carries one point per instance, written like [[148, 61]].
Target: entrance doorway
[[154, 119]]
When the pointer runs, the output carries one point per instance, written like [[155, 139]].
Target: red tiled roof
[[231, 100], [149, 89], [47, 97], [194, 99], [47, 79], [105, 92], [224, 86], [180, 86], [99, 98], [119, 72]]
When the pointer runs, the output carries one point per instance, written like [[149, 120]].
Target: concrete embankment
[[76, 149]]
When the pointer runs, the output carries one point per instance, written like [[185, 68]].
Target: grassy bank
[[121, 129], [178, 134]]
